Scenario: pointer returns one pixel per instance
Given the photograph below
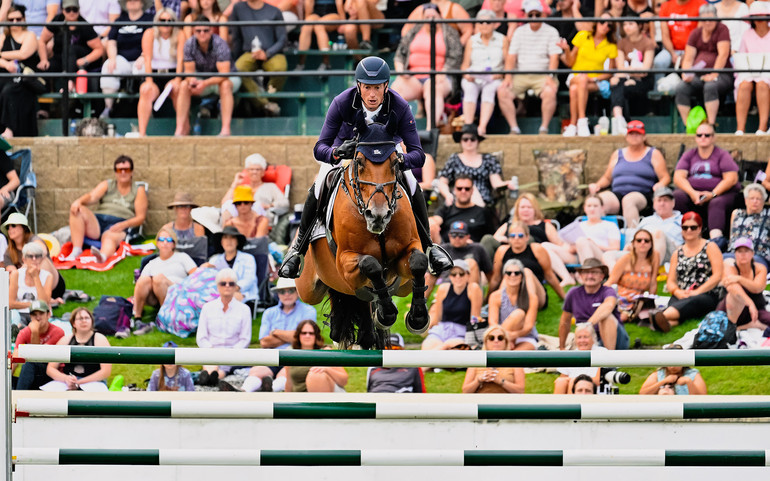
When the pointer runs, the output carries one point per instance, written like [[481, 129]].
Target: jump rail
[[388, 358], [363, 457], [388, 410]]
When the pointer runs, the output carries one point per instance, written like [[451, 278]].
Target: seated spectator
[[514, 306], [413, 53], [16, 229], [665, 224], [455, 303], [124, 49], [591, 51], [395, 379], [18, 100], [583, 385], [533, 256], [324, 10], [754, 41], [224, 323], [674, 34], [477, 219], [317, 378], [752, 222], [461, 246], [733, 9], [585, 340], [534, 46], [636, 52], [209, 9], [276, 331], [162, 53], [587, 238], [484, 52], [706, 179], [183, 224], [102, 12], [206, 53], [73, 376], [9, 180], [498, 8], [446, 9], [696, 269], [494, 380], [170, 377], [121, 204], [41, 11], [745, 281], [643, 9], [268, 197], [231, 244], [685, 380], [259, 47], [169, 268], [30, 282], [595, 303], [84, 51], [38, 331], [707, 47], [635, 273], [633, 174], [568, 9], [248, 222], [483, 169], [361, 10]]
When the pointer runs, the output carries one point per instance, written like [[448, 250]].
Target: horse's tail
[[350, 320]]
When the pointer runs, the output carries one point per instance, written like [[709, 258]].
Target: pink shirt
[[753, 43], [419, 52], [513, 7]]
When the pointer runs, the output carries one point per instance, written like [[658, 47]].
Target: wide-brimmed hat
[[467, 129], [593, 263], [758, 9], [17, 218], [231, 231], [243, 193], [54, 247], [284, 283], [182, 199]]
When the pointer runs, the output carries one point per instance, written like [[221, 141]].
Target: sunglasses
[[72, 9], [10, 226], [227, 284], [643, 240], [457, 274], [307, 333], [165, 239], [533, 15], [484, 22], [165, 20], [690, 227], [704, 135], [469, 139], [513, 273], [463, 188], [243, 202], [456, 235], [517, 235], [499, 337], [124, 170], [15, 19], [34, 256], [202, 30], [282, 292]]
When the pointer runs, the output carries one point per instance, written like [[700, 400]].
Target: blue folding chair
[[24, 198]]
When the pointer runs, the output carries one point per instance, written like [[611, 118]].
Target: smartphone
[[703, 197]]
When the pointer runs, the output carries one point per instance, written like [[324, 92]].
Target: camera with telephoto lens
[[610, 378]]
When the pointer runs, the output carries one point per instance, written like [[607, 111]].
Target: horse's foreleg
[[386, 310], [417, 319]]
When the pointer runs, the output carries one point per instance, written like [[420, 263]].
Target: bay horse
[[378, 250]]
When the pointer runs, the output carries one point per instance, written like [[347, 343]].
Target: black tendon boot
[[295, 258], [439, 260]]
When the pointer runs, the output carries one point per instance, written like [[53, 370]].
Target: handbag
[[28, 77], [474, 332]]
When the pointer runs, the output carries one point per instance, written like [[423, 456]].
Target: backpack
[[111, 314], [715, 332]]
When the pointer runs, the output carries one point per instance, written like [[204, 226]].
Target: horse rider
[[336, 143]]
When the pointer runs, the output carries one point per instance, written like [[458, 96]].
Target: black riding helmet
[[372, 71]]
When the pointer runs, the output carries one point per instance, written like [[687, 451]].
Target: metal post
[[65, 96], [5, 341], [433, 107]]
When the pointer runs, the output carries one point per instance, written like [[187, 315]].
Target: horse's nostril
[[368, 213]]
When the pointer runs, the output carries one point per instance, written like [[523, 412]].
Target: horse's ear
[[360, 122], [392, 125]]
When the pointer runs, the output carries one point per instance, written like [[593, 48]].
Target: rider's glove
[[346, 150]]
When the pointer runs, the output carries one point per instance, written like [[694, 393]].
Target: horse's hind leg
[[417, 319], [387, 312]]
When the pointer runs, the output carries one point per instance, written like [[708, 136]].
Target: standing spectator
[[209, 9], [665, 224], [124, 49], [101, 13], [38, 331], [484, 52], [675, 33], [534, 47], [706, 178], [224, 323], [361, 10], [590, 51], [29, 283], [42, 11], [755, 41], [495, 380], [162, 51], [18, 101], [635, 273], [514, 306], [85, 48], [733, 9], [595, 303], [461, 246], [258, 47], [455, 303], [752, 222], [745, 281], [478, 220], [707, 47], [413, 53], [446, 9], [696, 270], [325, 10], [636, 52], [206, 53]]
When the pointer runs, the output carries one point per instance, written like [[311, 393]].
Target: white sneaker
[[739, 132], [570, 131], [760, 132], [619, 126], [583, 130]]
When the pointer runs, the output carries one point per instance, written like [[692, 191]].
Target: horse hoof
[[416, 325], [385, 320]]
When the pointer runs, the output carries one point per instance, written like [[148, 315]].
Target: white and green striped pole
[[5, 341], [364, 457], [39, 407], [396, 358]]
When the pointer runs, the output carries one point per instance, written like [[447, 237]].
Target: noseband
[[355, 182]]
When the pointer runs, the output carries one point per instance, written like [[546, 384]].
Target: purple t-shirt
[[705, 174], [582, 305]]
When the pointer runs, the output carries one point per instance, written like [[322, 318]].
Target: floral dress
[[692, 272], [480, 175]]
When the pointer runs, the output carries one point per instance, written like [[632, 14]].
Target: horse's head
[[374, 174]]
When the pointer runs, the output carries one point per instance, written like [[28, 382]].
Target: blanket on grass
[[88, 261]]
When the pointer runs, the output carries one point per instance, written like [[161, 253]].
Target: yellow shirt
[[591, 56]]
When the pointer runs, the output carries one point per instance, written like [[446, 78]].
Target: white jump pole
[[5, 341]]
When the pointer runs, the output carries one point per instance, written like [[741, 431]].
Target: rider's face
[[372, 95]]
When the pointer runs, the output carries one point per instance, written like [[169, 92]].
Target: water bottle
[[256, 44], [434, 191], [341, 44], [513, 193], [197, 126], [73, 127], [81, 82], [110, 130], [604, 124]]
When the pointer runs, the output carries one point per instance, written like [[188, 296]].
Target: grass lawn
[[118, 281]]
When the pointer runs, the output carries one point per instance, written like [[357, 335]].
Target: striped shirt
[[534, 47]]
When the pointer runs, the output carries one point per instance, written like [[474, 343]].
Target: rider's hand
[[346, 150], [401, 161]]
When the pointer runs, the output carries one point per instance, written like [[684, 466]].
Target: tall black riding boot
[[295, 258], [439, 260]]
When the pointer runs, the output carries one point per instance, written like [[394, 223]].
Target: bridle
[[355, 182]]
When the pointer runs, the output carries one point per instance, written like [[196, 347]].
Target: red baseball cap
[[635, 126]]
